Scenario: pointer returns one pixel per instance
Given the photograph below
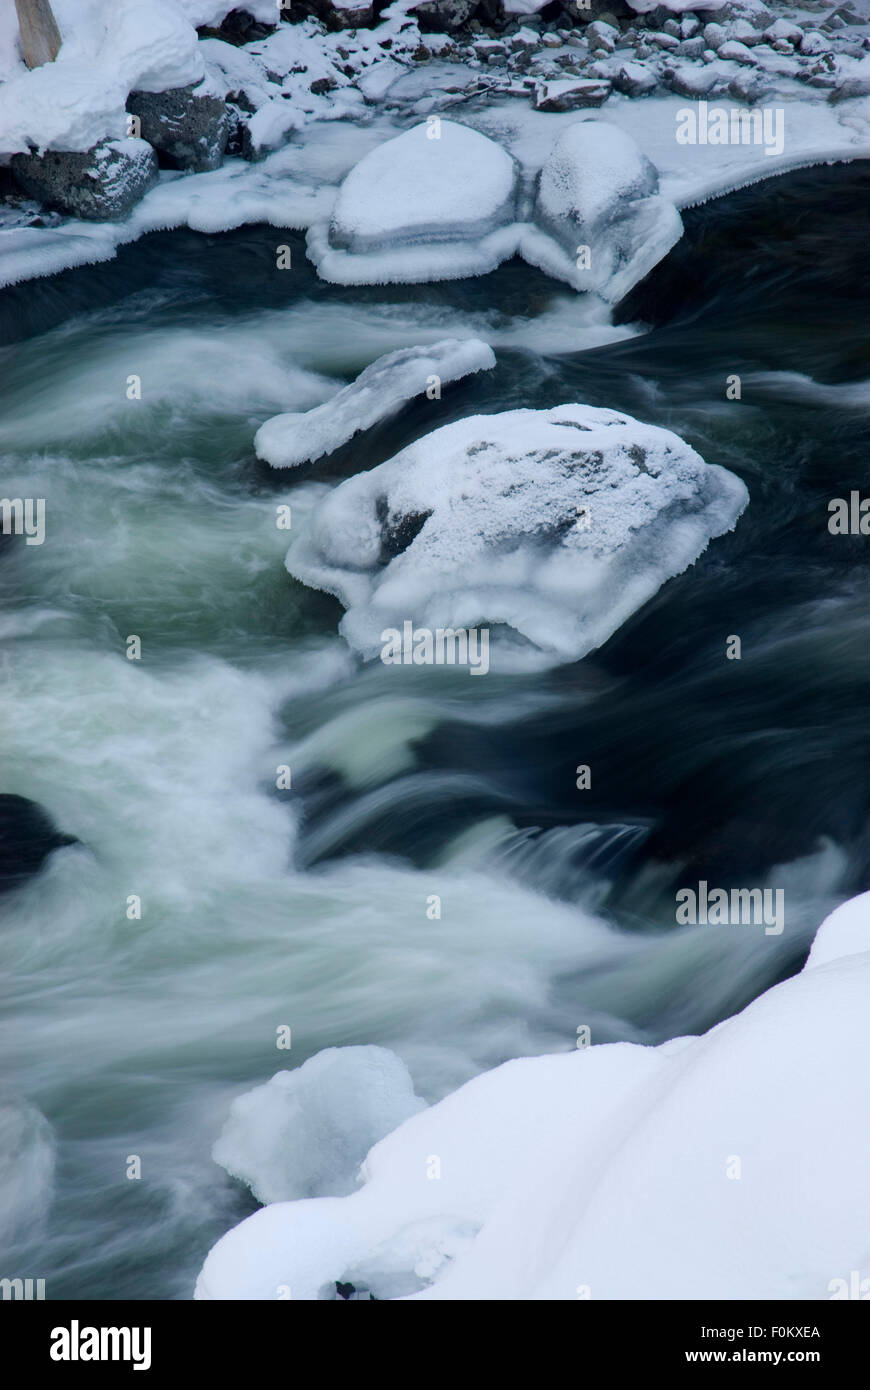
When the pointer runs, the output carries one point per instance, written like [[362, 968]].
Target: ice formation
[[378, 392], [550, 526]]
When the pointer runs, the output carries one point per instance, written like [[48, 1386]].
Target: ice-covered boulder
[[615, 1171], [549, 526], [597, 202], [100, 185], [306, 1132], [378, 392], [189, 124], [432, 203]]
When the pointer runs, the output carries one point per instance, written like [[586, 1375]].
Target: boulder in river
[[27, 837]]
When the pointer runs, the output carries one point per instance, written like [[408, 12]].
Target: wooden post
[[40, 36]]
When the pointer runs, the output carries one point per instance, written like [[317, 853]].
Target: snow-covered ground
[[726, 1166], [289, 89]]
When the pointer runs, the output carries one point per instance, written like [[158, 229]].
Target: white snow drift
[[727, 1166], [551, 526], [378, 392]]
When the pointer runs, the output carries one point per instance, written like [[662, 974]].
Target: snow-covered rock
[[99, 185], [597, 191], [549, 526], [378, 392], [423, 206], [729, 1166], [444, 15], [570, 94], [306, 1132]]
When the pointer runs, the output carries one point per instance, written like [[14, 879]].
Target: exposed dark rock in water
[[101, 185], [190, 125], [239, 27], [27, 837]]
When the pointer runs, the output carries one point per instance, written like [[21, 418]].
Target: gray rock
[[601, 35], [570, 94], [634, 80], [441, 15], [190, 125], [693, 82], [337, 17], [691, 48], [100, 185]]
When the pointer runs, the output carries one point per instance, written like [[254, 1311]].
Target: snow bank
[[551, 525], [306, 1132], [597, 194], [378, 392], [440, 190], [108, 50], [721, 1167]]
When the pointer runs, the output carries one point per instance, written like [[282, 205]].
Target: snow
[[728, 1166], [108, 50], [306, 1132], [439, 183], [378, 393], [597, 189], [553, 525]]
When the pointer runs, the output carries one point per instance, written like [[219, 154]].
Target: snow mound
[[615, 1171], [552, 525], [306, 1132], [424, 205], [597, 192], [108, 50], [378, 392]]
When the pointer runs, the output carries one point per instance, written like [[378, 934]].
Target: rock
[[734, 52], [99, 185], [550, 525], [238, 27], [690, 25], [715, 35], [190, 126], [747, 86], [690, 81], [417, 199], [741, 32], [814, 43], [438, 15], [666, 41], [691, 48], [570, 94], [600, 35], [783, 29], [634, 80], [597, 193], [671, 26], [344, 14], [27, 837]]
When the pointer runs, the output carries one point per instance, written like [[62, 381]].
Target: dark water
[[262, 905]]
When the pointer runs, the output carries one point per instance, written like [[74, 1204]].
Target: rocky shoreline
[[259, 84]]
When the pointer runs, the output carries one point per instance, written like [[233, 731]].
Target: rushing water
[[308, 907]]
